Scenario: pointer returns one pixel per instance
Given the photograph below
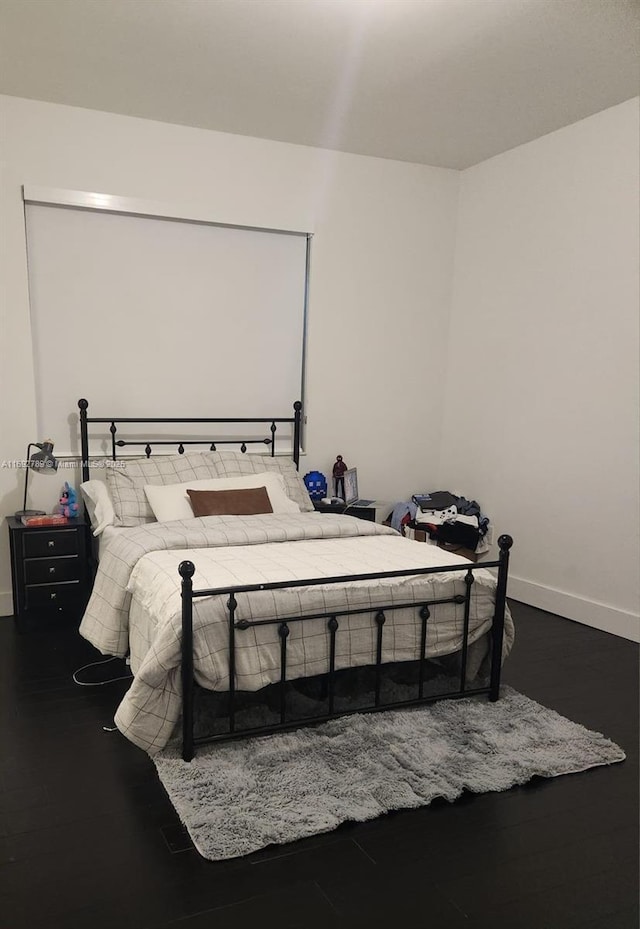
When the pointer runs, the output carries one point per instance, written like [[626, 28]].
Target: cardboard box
[[421, 536]]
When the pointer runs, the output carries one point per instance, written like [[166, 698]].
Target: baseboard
[[589, 612], [6, 603]]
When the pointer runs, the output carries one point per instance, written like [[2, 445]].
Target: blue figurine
[[68, 502], [316, 484]]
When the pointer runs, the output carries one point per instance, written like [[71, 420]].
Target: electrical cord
[[93, 664], [111, 680]]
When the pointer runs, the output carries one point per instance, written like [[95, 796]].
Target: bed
[[261, 596]]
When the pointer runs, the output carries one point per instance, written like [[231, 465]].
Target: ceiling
[[439, 82]]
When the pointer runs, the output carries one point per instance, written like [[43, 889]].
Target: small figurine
[[338, 476], [68, 503], [316, 484]]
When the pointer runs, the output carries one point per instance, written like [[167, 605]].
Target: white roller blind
[[149, 316]]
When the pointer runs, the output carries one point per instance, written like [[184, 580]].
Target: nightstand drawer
[[51, 570], [41, 544], [52, 596]]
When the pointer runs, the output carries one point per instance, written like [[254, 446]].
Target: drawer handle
[[52, 544], [52, 570], [53, 596]]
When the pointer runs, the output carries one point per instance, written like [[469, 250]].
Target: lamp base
[[21, 513]]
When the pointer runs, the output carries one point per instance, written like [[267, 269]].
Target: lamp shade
[[42, 461], [44, 458]]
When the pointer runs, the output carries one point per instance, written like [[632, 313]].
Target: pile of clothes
[[445, 518]]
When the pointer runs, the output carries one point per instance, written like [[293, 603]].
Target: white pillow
[[171, 501], [236, 464], [126, 483], [99, 505]]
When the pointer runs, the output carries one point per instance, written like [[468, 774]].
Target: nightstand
[[375, 512], [49, 571]]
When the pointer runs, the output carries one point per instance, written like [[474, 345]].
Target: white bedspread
[[345, 546]]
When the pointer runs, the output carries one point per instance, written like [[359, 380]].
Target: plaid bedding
[[233, 551]]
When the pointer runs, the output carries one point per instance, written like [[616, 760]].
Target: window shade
[[148, 316]]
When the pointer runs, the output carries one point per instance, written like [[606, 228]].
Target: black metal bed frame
[[187, 570], [379, 613], [114, 421]]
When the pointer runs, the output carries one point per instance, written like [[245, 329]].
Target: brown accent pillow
[[247, 502]]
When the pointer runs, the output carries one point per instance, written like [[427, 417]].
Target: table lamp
[[42, 460]]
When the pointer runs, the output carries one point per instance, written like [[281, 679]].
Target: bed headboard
[[148, 443]]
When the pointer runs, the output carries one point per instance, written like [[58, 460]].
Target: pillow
[[234, 464], [99, 505], [246, 502], [172, 501], [126, 483]]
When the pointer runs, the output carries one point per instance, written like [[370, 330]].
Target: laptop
[[351, 489]]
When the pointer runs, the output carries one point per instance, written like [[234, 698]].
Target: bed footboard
[[333, 619]]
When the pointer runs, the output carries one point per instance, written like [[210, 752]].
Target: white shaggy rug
[[238, 797]]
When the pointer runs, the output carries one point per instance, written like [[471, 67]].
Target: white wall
[[380, 279], [540, 415], [541, 411]]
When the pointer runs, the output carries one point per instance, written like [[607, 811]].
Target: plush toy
[[316, 484], [68, 503]]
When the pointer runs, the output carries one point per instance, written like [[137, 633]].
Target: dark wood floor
[[88, 838]]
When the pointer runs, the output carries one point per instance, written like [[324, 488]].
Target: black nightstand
[[49, 571], [360, 512]]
